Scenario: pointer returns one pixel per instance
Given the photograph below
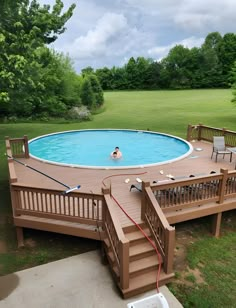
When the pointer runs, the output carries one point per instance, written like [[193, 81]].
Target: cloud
[[190, 15], [106, 33], [161, 51], [201, 14], [96, 41]]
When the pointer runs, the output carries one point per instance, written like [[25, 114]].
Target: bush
[[79, 113]]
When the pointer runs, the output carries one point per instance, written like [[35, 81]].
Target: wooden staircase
[[143, 263]]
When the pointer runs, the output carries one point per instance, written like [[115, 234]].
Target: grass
[[41, 247], [215, 258], [163, 111], [210, 274]]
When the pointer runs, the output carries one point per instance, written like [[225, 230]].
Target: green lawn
[[163, 111], [208, 277]]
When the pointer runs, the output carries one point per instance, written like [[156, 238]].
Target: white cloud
[[96, 41], [210, 15], [104, 33], [201, 14], [161, 51]]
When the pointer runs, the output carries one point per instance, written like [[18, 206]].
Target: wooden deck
[[94, 210], [91, 180]]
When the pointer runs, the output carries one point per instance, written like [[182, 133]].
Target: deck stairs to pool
[[143, 263]]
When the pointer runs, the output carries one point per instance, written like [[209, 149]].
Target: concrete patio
[[77, 282]]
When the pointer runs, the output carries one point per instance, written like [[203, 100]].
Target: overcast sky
[[108, 32]]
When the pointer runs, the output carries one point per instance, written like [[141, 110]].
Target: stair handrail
[[119, 243], [162, 232]]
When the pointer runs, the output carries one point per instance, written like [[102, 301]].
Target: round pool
[[92, 148]]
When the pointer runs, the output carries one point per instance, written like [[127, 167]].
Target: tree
[[213, 41], [105, 78], [131, 72], [87, 71], [25, 27], [142, 66], [206, 67], [119, 81], [87, 95], [195, 60], [176, 63], [211, 66], [152, 78], [227, 54], [61, 89], [233, 74], [97, 89]]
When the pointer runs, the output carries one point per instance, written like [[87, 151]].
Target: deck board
[[91, 180]]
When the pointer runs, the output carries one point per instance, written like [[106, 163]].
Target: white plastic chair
[[219, 147]]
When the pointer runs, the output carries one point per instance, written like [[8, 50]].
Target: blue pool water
[[92, 148]]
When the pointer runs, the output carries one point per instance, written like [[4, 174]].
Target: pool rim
[[112, 167]]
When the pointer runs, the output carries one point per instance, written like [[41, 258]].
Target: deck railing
[[19, 146], [201, 132], [230, 185], [118, 242], [47, 203], [182, 194], [162, 232], [84, 208]]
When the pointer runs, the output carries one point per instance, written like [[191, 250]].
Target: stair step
[[143, 265], [140, 251], [132, 228], [145, 282], [137, 236]]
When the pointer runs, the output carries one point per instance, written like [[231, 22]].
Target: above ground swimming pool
[[92, 148]]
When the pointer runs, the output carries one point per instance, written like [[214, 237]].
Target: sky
[[106, 33]]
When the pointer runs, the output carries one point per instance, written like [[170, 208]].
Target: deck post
[[14, 200], [26, 146], [7, 142], [7, 138], [169, 249], [216, 223], [105, 191], [124, 263], [20, 236], [189, 132], [199, 137], [143, 200], [224, 130], [222, 185]]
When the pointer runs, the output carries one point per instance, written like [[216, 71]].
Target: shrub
[[79, 113]]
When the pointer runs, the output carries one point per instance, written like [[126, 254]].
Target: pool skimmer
[[154, 301]]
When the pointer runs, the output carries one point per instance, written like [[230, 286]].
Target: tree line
[[209, 66], [36, 81]]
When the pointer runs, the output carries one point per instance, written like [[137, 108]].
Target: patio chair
[[219, 147], [138, 186]]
